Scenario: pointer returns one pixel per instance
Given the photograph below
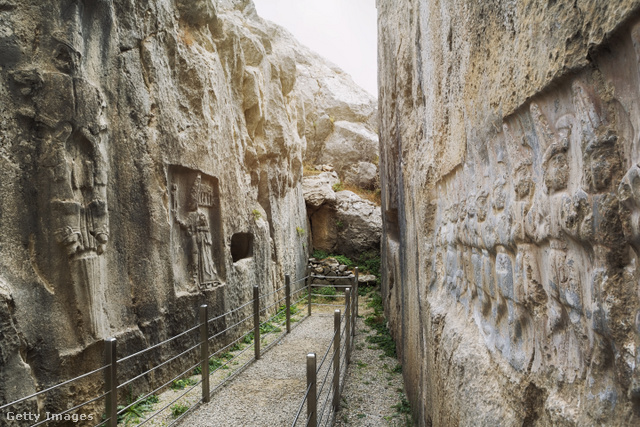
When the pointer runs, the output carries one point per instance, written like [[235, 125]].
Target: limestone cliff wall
[[511, 191], [150, 161]]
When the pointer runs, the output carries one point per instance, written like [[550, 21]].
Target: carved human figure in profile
[[196, 224]]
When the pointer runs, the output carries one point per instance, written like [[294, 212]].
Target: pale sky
[[343, 31]]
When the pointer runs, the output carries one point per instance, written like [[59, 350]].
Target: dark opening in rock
[[241, 246]]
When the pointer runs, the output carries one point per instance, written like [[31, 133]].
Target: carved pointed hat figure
[[196, 224]]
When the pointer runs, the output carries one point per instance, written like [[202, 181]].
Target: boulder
[[318, 189], [359, 224], [349, 144], [367, 279], [363, 175]]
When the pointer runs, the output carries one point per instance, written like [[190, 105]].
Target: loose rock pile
[[329, 271]]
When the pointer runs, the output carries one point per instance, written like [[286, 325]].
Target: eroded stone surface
[[510, 250], [150, 161]]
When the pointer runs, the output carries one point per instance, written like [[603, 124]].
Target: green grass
[[179, 409], [403, 407], [376, 321], [181, 384], [137, 411], [367, 262], [318, 254]]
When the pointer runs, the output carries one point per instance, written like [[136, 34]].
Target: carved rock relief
[[196, 236], [548, 230], [69, 130]]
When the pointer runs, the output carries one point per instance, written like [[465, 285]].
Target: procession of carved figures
[[540, 268], [69, 124], [194, 200]]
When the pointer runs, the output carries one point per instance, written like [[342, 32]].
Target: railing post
[[356, 296], [204, 351], [309, 288], [336, 361], [347, 315], [256, 321], [287, 298], [312, 404], [111, 383]]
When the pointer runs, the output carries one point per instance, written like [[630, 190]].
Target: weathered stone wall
[[511, 198], [150, 161]]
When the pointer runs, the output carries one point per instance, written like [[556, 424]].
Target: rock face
[[341, 117], [151, 161], [511, 198], [341, 222]]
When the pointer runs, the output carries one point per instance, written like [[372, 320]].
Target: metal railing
[[109, 371], [317, 397]]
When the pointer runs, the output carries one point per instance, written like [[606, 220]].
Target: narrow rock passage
[[269, 392]]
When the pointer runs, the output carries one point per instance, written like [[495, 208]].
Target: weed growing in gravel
[[377, 322], [179, 409], [137, 411], [181, 384]]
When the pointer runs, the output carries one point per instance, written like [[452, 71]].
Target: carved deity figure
[[196, 224], [69, 113]]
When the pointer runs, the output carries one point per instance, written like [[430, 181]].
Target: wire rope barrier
[[158, 366], [273, 325], [158, 344], [41, 392]]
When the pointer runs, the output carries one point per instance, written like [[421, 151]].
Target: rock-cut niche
[[241, 246], [196, 230]]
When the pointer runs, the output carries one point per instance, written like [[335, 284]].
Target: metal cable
[[72, 409], [328, 305], [191, 408], [314, 276], [333, 340], [267, 307], [271, 293], [159, 344], [53, 388], [299, 290], [231, 327], [161, 387], [324, 381], [298, 300], [327, 296], [233, 374], [230, 360], [299, 280], [230, 344], [233, 311], [158, 366], [326, 400], [170, 403], [304, 399]]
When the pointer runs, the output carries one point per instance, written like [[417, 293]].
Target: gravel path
[[269, 392], [374, 390]]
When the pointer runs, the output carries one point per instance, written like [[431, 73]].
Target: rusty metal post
[[111, 382], [336, 361], [312, 399], [256, 322], [287, 299], [204, 351]]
